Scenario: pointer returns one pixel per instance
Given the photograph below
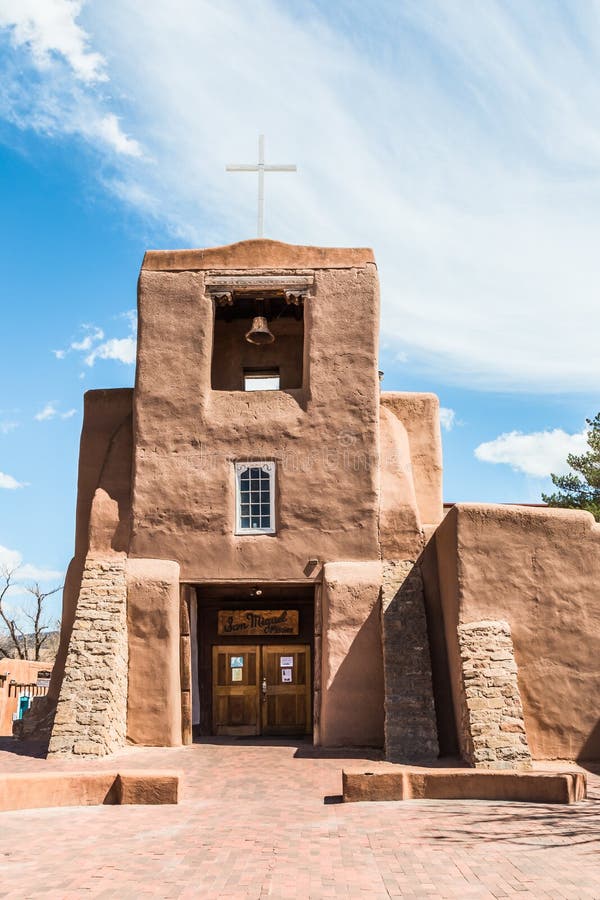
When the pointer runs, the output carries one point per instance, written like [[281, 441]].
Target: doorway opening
[[255, 659]]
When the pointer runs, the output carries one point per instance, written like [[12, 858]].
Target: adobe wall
[[351, 682], [154, 696], [419, 414], [324, 437], [400, 530], [22, 671], [538, 570]]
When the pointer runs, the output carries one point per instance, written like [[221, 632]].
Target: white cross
[[261, 168]]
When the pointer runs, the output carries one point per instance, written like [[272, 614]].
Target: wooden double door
[[261, 689]]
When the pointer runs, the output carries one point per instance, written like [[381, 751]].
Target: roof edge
[[259, 253]]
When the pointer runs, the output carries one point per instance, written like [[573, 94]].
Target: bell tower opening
[[258, 341]]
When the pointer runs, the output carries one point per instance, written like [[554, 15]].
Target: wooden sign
[[254, 622]]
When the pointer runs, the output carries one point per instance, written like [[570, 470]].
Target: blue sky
[[460, 141]]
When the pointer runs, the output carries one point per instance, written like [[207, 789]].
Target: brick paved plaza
[[262, 820]]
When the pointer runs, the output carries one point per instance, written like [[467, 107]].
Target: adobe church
[[262, 548]]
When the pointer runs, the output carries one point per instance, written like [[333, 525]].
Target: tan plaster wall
[[352, 689], [400, 532], [106, 422], [154, 696], [538, 569], [23, 671], [324, 439], [420, 416]]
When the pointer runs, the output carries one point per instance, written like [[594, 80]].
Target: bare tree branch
[[40, 629], [17, 638], [7, 575]]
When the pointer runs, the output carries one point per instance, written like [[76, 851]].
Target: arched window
[[255, 497]]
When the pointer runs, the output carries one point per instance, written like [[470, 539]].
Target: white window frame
[[241, 467]]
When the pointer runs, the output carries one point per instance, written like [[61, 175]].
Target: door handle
[[264, 690]]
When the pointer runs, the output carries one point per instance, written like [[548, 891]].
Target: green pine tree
[[580, 489]]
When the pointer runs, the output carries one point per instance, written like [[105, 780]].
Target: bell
[[259, 333]]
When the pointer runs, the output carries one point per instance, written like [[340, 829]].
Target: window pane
[[254, 495], [258, 383]]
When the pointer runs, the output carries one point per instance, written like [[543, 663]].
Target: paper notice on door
[[286, 662], [236, 662], [286, 676], [236, 674]]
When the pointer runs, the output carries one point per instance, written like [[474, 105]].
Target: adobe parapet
[[258, 254]]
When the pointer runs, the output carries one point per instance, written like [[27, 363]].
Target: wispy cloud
[[48, 412], [121, 349], [7, 426], [64, 98], [93, 335], [49, 28], [94, 345], [26, 573], [9, 483], [447, 418], [538, 454], [465, 150]]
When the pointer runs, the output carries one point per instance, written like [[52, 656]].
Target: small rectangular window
[[261, 380], [255, 497]]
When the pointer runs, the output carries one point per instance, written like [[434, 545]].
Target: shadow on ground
[[33, 749], [304, 748]]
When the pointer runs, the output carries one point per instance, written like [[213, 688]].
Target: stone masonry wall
[[493, 727], [91, 715], [410, 722]]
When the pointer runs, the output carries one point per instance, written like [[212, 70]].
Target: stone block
[[410, 722], [492, 718], [92, 708]]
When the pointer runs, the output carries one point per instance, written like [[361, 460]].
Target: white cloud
[[9, 483], [66, 99], [7, 426], [48, 412], [108, 129], [538, 454], [60, 354], [465, 150], [447, 418], [48, 28], [12, 559], [85, 344], [121, 349], [95, 347]]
